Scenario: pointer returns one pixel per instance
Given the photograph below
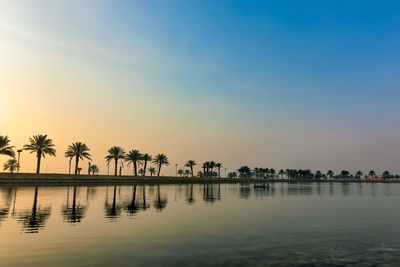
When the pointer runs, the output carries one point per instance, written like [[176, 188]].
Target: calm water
[[200, 225]]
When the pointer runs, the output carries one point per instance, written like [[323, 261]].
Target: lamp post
[[225, 172], [19, 156], [176, 170]]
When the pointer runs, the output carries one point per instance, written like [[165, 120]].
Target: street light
[[19, 156], [176, 172], [225, 172]]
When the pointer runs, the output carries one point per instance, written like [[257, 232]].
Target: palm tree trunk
[[116, 167], [76, 164], [191, 168], [144, 168], [159, 170], [39, 158], [69, 165], [135, 167]]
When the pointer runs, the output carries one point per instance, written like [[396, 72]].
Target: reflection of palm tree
[[114, 210], [131, 208], [76, 212], [41, 145], [4, 211], [209, 193], [145, 206], [34, 219], [190, 198], [160, 203]]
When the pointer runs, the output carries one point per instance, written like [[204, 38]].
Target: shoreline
[[55, 179]]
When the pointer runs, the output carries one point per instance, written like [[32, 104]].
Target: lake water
[[201, 225]]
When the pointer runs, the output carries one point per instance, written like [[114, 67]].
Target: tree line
[[42, 145], [299, 174]]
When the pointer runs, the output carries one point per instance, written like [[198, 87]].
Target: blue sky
[[272, 78]]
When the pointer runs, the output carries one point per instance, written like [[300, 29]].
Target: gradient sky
[[283, 84]]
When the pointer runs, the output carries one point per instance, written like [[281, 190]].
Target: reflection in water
[[132, 207], [34, 219], [160, 203], [5, 208], [113, 211], [189, 194], [74, 213], [137, 198]]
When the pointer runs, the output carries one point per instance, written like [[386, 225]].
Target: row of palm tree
[[41, 145], [208, 168], [246, 172]]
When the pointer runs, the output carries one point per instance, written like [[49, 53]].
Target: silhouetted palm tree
[[115, 153], [385, 175], [187, 172], [372, 174], [94, 169], [80, 151], [190, 164], [152, 171], [160, 160], [11, 165], [281, 173], [134, 157], [5, 148], [359, 174], [146, 158], [330, 174], [180, 172], [211, 166], [244, 172], [141, 171], [41, 145], [219, 165]]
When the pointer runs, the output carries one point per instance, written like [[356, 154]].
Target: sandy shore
[[65, 179]]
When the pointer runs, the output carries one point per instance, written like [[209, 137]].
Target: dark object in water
[[261, 186]]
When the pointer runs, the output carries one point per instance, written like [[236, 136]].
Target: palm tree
[[211, 166], [372, 174], [5, 148], [152, 171], [11, 164], [141, 171], [190, 164], [134, 157], [330, 174], [187, 173], [385, 175], [281, 173], [180, 172], [146, 158], [359, 174], [70, 155], [160, 160], [219, 165], [79, 151], [94, 169], [41, 145], [115, 153]]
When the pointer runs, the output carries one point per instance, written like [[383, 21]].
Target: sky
[[282, 84]]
